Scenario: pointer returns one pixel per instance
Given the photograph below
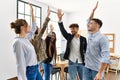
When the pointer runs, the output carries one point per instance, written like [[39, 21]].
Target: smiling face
[[74, 30], [53, 37]]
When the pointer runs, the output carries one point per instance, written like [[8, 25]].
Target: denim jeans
[[75, 68], [32, 73], [89, 74], [47, 71]]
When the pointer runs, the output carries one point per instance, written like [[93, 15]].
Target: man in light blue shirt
[[97, 54]]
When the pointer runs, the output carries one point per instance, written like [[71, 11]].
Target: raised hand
[[32, 13], [48, 11], [92, 13], [31, 8], [51, 28], [60, 14], [95, 6]]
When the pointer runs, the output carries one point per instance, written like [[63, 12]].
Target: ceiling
[[69, 5]]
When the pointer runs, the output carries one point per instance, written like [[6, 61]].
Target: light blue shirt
[[97, 51], [25, 53]]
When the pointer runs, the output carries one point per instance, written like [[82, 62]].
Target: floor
[[108, 76], [112, 76]]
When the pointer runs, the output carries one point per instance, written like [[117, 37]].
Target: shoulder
[[17, 41], [82, 37]]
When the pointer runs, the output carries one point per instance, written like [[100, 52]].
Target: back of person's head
[[74, 25], [17, 25], [98, 21]]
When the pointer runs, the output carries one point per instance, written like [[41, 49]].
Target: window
[[54, 22], [23, 12]]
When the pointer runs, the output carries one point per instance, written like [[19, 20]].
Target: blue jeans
[[75, 68], [89, 74], [32, 73], [47, 71]]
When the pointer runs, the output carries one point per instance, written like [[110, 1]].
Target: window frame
[[35, 12]]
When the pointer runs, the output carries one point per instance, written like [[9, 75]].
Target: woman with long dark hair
[[51, 54]]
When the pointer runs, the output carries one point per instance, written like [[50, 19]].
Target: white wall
[[108, 11], [7, 15]]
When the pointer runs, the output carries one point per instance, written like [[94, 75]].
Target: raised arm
[[93, 11], [34, 26], [44, 24], [60, 23]]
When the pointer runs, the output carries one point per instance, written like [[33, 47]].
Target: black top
[[69, 37], [49, 59]]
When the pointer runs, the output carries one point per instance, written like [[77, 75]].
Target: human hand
[[98, 76], [31, 8], [51, 28], [60, 14], [95, 6]]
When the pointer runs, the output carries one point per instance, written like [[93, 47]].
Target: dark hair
[[36, 32], [47, 40], [17, 25], [98, 21], [74, 25], [54, 42]]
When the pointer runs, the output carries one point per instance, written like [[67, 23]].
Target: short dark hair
[[74, 25], [98, 21]]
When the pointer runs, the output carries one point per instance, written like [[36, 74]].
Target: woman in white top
[[27, 66]]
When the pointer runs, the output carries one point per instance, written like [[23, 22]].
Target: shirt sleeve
[[20, 59], [104, 45], [33, 29], [88, 21]]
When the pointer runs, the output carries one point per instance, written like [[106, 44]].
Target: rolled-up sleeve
[[32, 31], [105, 53]]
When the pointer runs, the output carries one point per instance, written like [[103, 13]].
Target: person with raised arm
[[75, 48], [51, 52], [26, 59], [97, 54]]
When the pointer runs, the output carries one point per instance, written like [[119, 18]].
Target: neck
[[93, 32], [22, 34], [76, 35]]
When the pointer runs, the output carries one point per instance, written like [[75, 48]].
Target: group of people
[[88, 59]]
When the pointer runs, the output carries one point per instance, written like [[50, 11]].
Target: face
[[92, 26], [27, 29], [74, 30], [52, 37]]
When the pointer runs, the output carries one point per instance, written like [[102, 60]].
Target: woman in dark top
[[51, 54]]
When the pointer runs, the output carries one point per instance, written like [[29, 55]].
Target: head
[[74, 28], [94, 25], [53, 37], [20, 25]]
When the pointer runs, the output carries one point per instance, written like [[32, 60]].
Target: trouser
[[32, 73], [89, 74], [75, 68], [47, 71]]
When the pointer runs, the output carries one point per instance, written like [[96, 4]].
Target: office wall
[[107, 11], [7, 15]]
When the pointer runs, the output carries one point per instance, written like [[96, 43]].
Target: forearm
[[44, 27], [33, 17], [102, 68], [62, 29], [92, 15]]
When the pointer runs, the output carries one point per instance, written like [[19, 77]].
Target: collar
[[95, 34]]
